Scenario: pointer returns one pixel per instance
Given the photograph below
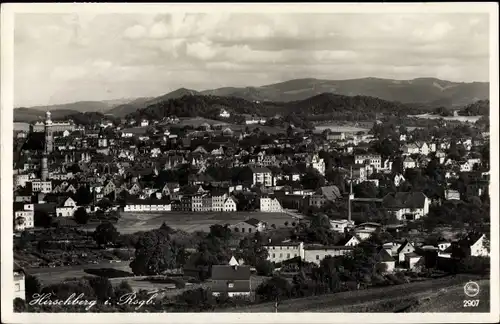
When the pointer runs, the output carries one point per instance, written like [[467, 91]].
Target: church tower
[[49, 138], [48, 147]]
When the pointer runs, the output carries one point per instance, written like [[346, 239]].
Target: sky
[[61, 58]]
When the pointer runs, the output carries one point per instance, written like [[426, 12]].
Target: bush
[[379, 281], [394, 279], [265, 268], [474, 265], [19, 305]]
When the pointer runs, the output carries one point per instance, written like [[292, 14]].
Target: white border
[[7, 27]]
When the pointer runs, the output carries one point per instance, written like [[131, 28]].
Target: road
[[340, 301]]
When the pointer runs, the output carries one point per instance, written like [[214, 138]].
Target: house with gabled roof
[[407, 205], [383, 257], [251, 225], [349, 240], [233, 280], [405, 248], [324, 195]]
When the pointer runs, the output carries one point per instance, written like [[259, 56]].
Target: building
[[40, 186], [224, 114], [324, 195], [218, 201], [335, 136], [19, 282], [61, 126], [233, 280], [410, 149], [409, 163], [318, 164], [341, 225], [270, 205], [404, 249], [407, 205], [230, 205], [261, 176], [478, 244], [251, 225], [451, 195], [24, 216], [315, 253], [282, 251], [372, 159], [385, 259], [148, 205]]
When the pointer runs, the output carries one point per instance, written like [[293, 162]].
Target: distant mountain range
[[429, 92]]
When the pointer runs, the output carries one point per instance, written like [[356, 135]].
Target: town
[[243, 211]]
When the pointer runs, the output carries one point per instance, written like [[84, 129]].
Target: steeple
[[49, 139], [48, 147]]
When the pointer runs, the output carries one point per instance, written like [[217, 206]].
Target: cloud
[[149, 54], [135, 32]]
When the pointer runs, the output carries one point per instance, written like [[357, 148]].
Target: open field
[[345, 301], [452, 300], [58, 274], [197, 122], [131, 222]]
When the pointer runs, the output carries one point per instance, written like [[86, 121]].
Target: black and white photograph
[[234, 159]]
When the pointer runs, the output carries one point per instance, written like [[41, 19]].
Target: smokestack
[[350, 197]]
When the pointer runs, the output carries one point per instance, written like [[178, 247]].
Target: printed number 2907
[[471, 302]]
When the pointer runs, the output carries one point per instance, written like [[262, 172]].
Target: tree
[[155, 252], [102, 288], [123, 289], [42, 219], [264, 268], [365, 190], [32, 286], [252, 250], [19, 305], [105, 233], [221, 232], [312, 179], [83, 196], [199, 298], [104, 204], [81, 216], [275, 289]]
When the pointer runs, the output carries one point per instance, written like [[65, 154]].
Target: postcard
[[250, 163]]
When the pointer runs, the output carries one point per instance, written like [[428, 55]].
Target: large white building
[[373, 159], [270, 205], [229, 205], [313, 253], [147, 205], [41, 186], [262, 176]]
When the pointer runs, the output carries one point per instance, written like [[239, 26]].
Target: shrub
[[378, 281], [474, 265], [265, 268], [394, 279]]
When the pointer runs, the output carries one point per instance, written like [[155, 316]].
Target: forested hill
[[336, 106], [322, 106]]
